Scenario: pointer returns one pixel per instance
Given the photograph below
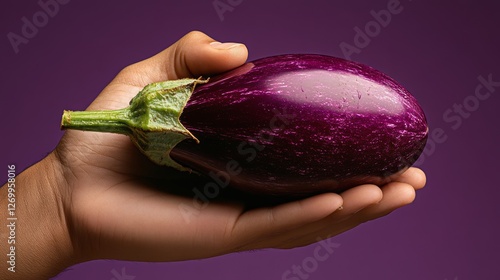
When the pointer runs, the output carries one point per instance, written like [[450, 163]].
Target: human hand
[[114, 203]]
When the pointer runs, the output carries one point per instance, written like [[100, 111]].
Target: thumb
[[195, 54]]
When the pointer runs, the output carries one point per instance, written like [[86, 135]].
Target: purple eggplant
[[288, 125]]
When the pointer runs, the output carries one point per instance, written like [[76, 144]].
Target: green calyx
[[151, 120]]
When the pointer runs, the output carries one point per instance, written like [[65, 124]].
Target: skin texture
[[95, 196]]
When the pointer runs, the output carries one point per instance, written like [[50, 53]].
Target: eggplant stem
[[151, 120], [113, 121]]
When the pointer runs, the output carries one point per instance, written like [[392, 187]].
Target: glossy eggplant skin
[[296, 125]]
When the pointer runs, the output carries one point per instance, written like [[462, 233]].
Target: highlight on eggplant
[[287, 125]]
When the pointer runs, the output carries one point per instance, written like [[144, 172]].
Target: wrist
[[43, 244]]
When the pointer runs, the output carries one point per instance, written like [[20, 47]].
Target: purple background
[[436, 50]]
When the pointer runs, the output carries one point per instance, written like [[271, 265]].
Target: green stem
[[114, 121]]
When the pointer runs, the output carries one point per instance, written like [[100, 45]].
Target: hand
[[111, 202]]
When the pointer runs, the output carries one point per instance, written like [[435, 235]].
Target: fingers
[[396, 195], [393, 196], [195, 54], [358, 198], [354, 200], [414, 177], [298, 222], [256, 226]]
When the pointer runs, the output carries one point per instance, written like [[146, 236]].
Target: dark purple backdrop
[[436, 50]]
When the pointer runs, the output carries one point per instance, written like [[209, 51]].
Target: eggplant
[[287, 125]]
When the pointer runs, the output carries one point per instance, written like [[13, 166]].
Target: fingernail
[[224, 46], [340, 208]]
